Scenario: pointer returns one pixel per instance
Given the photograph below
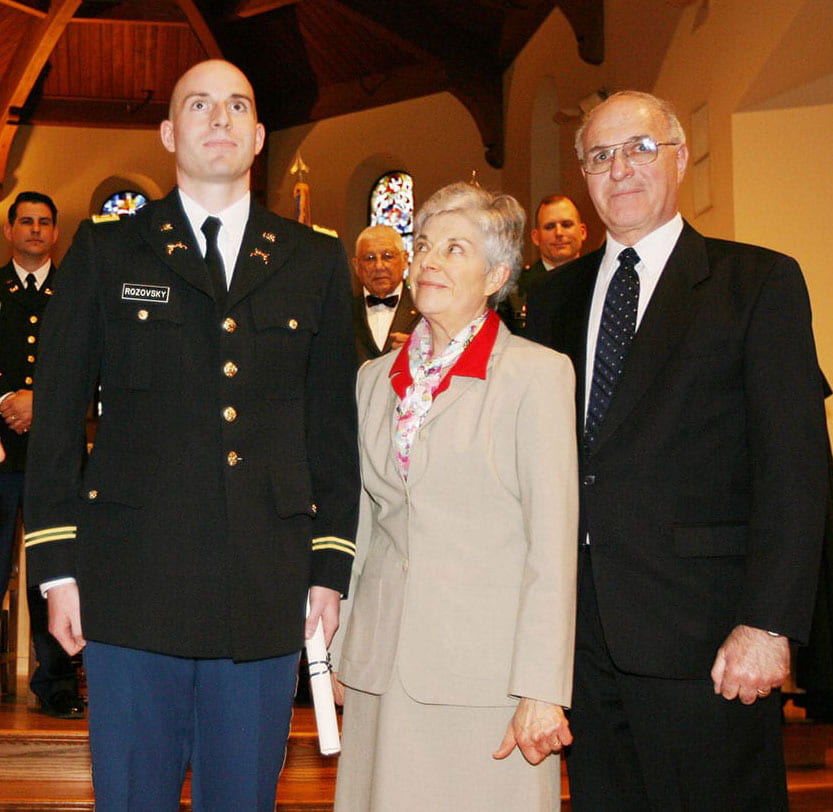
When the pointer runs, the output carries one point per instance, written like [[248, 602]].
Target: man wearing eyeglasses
[[703, 480], [383, 313]]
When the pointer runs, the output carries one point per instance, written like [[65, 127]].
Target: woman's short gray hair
[[500, 218]]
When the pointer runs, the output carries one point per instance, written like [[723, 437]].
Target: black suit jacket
[[223, 481], [20, 321], [704, 493], [404, 321]]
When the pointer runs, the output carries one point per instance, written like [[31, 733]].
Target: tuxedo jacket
[[224, 477], [704, 494], [20, 321], [465, 576], [404, 321]]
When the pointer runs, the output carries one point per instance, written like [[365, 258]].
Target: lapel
[[13, 287], [459, 386], [11, 283], [168, 233], [267, 245], [404, 317], [666, 320], [362, 328], [570, 321]]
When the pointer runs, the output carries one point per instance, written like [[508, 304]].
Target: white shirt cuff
[[47, 585]]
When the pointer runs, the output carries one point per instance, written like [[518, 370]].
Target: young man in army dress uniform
[[223, 486]]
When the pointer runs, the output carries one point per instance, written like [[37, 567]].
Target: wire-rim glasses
[[636, 151]]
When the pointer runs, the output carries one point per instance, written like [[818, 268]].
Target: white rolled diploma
[[322, 693]]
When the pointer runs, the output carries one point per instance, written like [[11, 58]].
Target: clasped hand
[[537, 728]]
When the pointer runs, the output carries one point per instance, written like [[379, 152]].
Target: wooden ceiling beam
[[99, 113], [251, 8], [26, 65], [432, 36], [201, 28], [475, 76], [24, 8], [383, 32], [586, 18]]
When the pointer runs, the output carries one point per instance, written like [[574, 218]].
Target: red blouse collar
[[471, 364]]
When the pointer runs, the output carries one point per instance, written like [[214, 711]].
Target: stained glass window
[[124, 203], [392, 204]]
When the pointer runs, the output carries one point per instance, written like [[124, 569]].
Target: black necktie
[[616, 333], [387, 301], [31, 285], [213, 259]]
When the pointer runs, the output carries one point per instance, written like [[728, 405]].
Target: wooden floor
[[34, 749]]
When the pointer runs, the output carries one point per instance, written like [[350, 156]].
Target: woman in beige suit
[[458, 651]]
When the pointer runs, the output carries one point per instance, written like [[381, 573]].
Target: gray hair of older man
[[381, 229], [499, 217], [664, 108]]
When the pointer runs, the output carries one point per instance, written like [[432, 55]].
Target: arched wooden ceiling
[[114, 62]]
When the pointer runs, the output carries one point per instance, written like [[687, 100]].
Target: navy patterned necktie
[[616, 333], [213, 258]]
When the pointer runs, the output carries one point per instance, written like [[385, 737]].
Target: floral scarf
[[427, 373]]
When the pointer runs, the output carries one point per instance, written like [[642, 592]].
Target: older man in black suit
[[222, 490], [703, 476], [383, 313]]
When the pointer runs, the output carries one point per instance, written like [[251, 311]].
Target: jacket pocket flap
[[300, 314]]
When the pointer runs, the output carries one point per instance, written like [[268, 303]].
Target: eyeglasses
[[387, 257], [636, 151]]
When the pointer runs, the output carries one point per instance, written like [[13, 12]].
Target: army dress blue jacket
[[224, 477]]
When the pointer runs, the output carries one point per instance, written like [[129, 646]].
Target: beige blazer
[[466, 575]]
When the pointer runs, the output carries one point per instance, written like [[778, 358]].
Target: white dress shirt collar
[[40, 274], [233, 226], [653, 251]]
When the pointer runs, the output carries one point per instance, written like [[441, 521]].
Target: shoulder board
[[105, 218], [328, 231]]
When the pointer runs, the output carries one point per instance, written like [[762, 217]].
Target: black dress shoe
[[63, 705]]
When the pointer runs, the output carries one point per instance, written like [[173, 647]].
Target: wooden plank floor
[[35, 748]]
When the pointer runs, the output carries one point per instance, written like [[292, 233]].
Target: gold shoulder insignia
[[105, 218]]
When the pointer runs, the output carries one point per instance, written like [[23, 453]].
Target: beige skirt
[[399, 755]]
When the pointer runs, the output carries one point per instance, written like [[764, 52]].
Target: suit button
[[589, 479], [28, 380], [229, 414], [92, 494], [142, 315], [405, 565], [229, 369], [313, 508], [31, 339], [232, 458], [30, 359], [33, 319], [292, 324], [229, 325]]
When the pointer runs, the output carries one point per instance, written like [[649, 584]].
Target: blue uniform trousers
[[151, 715]]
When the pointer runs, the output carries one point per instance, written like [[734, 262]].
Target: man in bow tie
[[383, 314], [222, 490]]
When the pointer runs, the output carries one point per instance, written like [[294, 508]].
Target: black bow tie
[[387, 301]]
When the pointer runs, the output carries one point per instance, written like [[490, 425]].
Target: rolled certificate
[[322, 693]]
